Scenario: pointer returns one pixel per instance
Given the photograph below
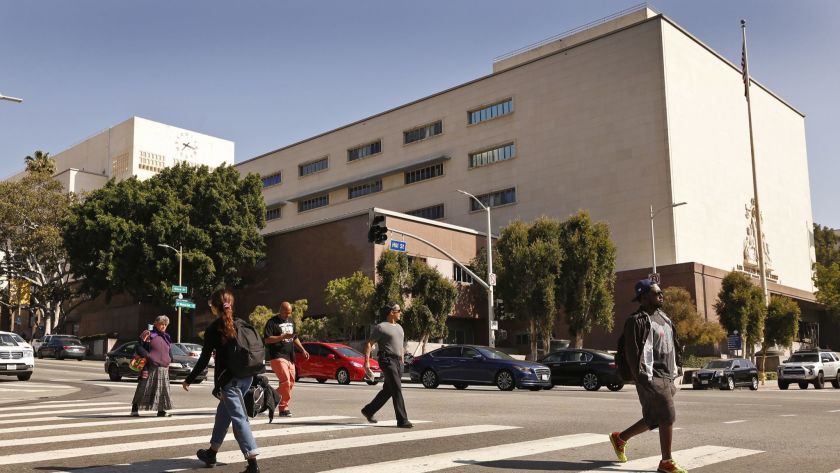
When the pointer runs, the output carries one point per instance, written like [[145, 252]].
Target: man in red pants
[[280, 339]]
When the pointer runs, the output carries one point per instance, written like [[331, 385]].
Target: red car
[[334, 361]]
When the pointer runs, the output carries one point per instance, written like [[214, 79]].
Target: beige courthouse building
[[628, 113]]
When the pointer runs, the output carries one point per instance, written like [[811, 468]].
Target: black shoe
[[135, 414], [405, 425], [286, 413], [208, 456], [369, 417], [252, 467], [164, 414]]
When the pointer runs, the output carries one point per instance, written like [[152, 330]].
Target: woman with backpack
[[221, 336], [152, 391]]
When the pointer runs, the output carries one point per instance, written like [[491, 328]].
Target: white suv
[[16, 356], [810, 367]]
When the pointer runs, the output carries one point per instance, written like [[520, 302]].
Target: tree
[[692, 328], [113, 236], [40, 162], [33, 254], [826, 245], [587, 276], [827, 268], [781, 326], [740, 307], [394, 280], [351, 297], [259, 317], [433, 299]]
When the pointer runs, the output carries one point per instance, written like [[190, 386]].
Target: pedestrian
[[152, 391], [650, 354], [281, 339], [220, 336], [389, 338]]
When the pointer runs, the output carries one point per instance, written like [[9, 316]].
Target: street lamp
[[491, 278], [10, 99], [180, 251], [652, 240]]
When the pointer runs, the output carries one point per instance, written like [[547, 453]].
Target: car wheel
[[504, 381], [729, 384], [615, 386], [297, 378], [321, 380], [754, 383], [114, 373], [803, 385], [590, 382], [783, 385], [460, 385], [342, 376], [59, 356], [836, 381], [372, 383], [39, 355], [24, 376], [819, 383], [429, 379]]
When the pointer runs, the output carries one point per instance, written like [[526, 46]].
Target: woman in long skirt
[[153, 385]]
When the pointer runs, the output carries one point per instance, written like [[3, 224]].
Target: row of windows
[[434, 212], [459, 275], [313, 167], [271, 180], [490, 112], [494, 199], [423, 132], [152, 161], [364, 189], [422, 174], [272, 214], [364, 150], [314, 203], [490, 156]]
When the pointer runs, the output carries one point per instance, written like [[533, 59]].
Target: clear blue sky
[[268, 73]]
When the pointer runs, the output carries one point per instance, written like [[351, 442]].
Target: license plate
[[544, 377], [377, 375], [704, 381], [11, 367]]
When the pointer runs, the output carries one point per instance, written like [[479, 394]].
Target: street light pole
[[490, 276], [10, 99], [652, 238], [180, 251]]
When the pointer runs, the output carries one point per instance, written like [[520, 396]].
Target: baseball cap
[[643, 287]]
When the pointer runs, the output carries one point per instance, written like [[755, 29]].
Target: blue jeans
[[231, 410]]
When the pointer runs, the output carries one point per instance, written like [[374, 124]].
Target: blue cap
[[643, 287]]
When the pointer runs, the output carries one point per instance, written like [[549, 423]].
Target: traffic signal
[[500, 308], [378, 232]]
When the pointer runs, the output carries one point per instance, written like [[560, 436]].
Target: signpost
[[397, 245]]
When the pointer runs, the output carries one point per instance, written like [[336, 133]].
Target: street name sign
[[180, 289], [397, 245], [184, 303]]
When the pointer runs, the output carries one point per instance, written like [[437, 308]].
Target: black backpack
[[261, 397], [246, 357]]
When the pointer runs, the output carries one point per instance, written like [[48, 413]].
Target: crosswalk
[[98, 437]]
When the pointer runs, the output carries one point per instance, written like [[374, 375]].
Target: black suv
[[583, 367], [726, 374]]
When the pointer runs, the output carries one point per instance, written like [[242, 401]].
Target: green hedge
[[692, 361]]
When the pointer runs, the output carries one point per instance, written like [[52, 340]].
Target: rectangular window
[[423, 132], [313, 167], [273, 214], [459, 275], [151, 161], [490, 112], [271, 180], [434, 212], [490, 156], [364, 189], [314, 203], [364, 151], [422, 174], [494, 199]]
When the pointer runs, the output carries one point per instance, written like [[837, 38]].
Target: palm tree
[[40, 162]]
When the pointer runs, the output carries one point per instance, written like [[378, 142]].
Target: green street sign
[[179, 289], [184, 303]]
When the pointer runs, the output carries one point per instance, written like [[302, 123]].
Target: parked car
[[116, 363], [464, 365], [16, 356], [583, 367], [193, 350], [810, 367], [334, 361], [726, 374], [61, 347]]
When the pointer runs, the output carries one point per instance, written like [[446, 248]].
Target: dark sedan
[[116, 363], [582, 367], [463, 365], [727, 374], [61, 347]]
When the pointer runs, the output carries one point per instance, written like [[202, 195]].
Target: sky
[[266, 74]]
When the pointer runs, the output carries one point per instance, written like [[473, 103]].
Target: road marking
[[32, 407], [835, 410], [59, 454], [60, 411], [734, 422], [5, 390], [697, 457], [479, 455], [788, 415], [118, 420], [97, 415], [150, 430]]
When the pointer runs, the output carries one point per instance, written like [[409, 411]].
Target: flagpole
[[759, 233]]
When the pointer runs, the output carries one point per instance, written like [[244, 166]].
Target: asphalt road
[[69, 417]]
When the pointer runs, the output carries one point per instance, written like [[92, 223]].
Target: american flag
[[744, 72]]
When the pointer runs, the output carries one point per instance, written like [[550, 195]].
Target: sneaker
[[163, 414], [618, 446], [208, 456], [369, 417], [405, 425], [670, 466], [135, 414], [286, 413], [252, 467]]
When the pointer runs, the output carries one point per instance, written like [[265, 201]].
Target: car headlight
[[357, 364], [28, 353], [523, 369], [717, 374]]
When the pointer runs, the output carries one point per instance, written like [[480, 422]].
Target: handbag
[[137, 363]]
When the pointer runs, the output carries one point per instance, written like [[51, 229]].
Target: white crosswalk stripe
[[692, 458], [31, 407]]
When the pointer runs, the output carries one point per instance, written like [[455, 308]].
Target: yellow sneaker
[[618, 446], [670, 466]]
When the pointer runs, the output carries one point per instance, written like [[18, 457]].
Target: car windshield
[[348, 352], [69, 340], [189, 346], [494, 354], [718, 364], [176, 350], [18, 339], [804, 358], [7, 340]]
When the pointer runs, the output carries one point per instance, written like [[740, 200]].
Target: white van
[[16, 356]]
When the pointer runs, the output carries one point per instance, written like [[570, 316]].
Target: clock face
[[186, 146]]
